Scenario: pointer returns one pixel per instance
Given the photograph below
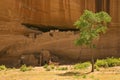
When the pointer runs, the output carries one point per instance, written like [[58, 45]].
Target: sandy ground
[[39, 73]]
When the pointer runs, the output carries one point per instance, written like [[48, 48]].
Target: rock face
[[57, 13], [20, 44], [39, 50], [54, 13]]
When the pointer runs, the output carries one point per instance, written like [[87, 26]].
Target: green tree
[[91, 25]]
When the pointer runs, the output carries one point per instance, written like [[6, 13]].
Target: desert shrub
[[101, 63], [45, 66], [49, 67], [3, 67], [62, 68], [84, 76], [97, 68], [113, 62], [24, 68], [53, 67], [82, 65], [109, 62]]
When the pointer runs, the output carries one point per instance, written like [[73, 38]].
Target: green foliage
[[97, 68], [91, 25], [24, 68], [102, 63], [49, 67], [92, 77], [82, 65], [84, 76], [3, 67], [53, 67], [109, 62], [62, 68], [45, 66], [113, 62]]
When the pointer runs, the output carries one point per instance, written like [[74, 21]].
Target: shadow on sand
[[72, 73]]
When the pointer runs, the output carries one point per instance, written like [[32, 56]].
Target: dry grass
[[38, 73]]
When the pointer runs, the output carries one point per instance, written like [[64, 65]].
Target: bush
[[97, 68], [3, 67], [52, 66], [109, 62], [101, 63], [45, 66], [113, 62], [49, 67], [82, 65], [84, 76], [24, 68], [62, 68]]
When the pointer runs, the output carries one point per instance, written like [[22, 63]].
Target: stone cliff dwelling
[[36, 32]]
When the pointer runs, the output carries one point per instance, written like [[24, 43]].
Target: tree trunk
[[92, 62]]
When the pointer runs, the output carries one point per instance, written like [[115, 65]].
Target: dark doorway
[[102, 5], [99, 5]]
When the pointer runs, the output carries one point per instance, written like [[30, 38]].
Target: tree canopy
[[91, 25]]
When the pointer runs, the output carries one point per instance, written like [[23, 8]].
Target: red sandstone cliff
[[57, 13], [48, 13]]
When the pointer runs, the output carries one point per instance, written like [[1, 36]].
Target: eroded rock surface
[[17, 40], [60, 44], [57, 13]]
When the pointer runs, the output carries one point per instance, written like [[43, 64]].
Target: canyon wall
[[54, 13], [17, 39], [57, 13]]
